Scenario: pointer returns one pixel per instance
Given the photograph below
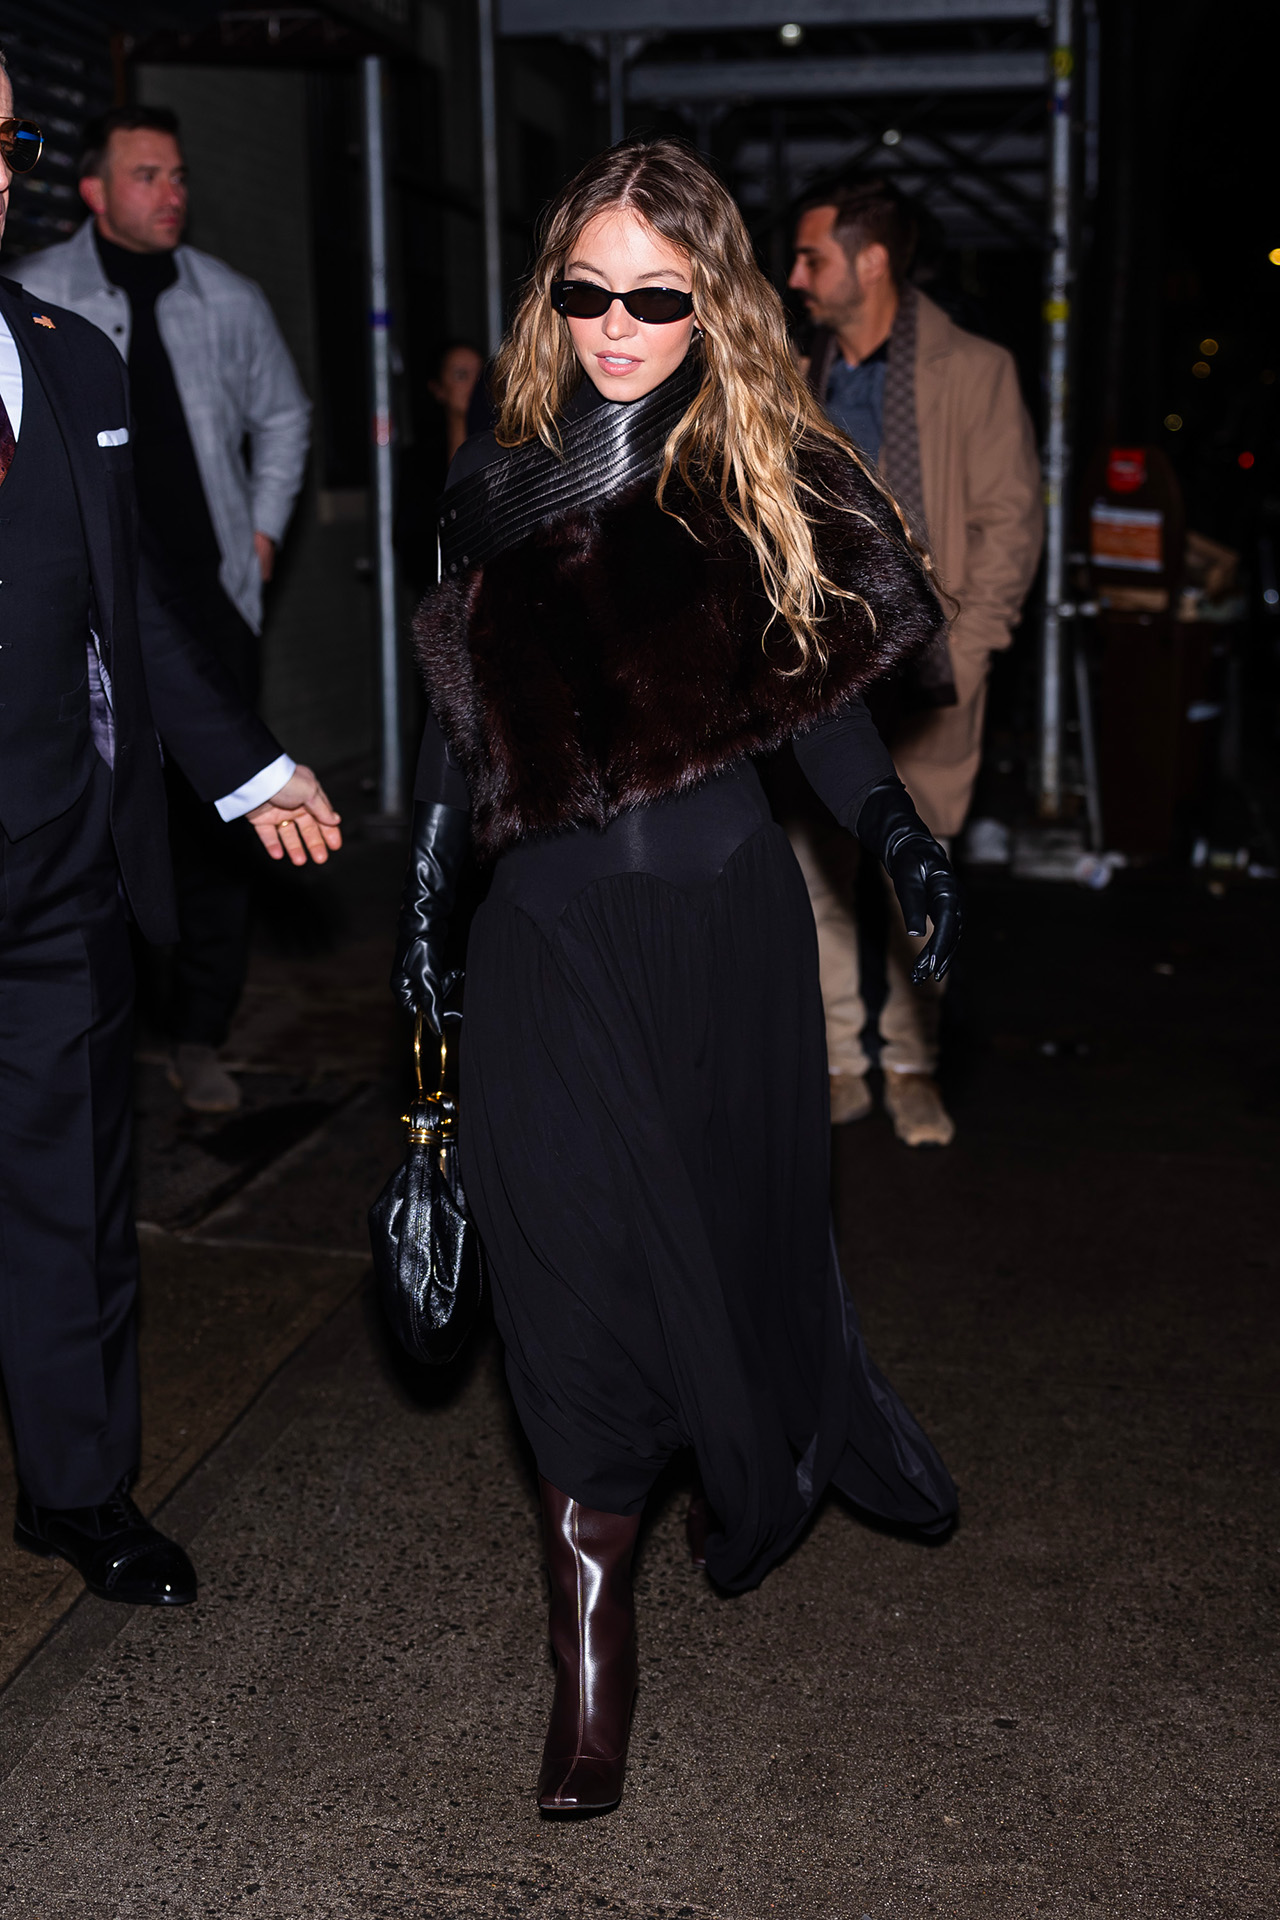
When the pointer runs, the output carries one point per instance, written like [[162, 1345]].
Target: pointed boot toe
[[580, 1783]]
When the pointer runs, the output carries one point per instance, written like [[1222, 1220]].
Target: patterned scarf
[[899, 437], [932, 682]]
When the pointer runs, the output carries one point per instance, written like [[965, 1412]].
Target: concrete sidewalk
[[321, 1055], [1069, 1710]]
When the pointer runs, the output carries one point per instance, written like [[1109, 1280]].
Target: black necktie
[[8, 445]]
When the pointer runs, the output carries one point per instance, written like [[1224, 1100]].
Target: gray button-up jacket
[[235, 379]]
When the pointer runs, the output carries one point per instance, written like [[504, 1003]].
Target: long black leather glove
[[419, 978], [923, 878]]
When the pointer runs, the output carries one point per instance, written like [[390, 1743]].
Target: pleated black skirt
[[645, 1144]]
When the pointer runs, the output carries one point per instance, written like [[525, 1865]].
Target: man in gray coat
[[209, 375]]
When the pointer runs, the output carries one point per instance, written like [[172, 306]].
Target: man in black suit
[[91, 665]]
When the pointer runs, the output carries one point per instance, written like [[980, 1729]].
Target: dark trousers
[[68, 1253], [212, 874], [212, 858]]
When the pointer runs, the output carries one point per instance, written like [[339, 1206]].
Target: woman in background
[[422, 467], [458, 368], [663, 561]]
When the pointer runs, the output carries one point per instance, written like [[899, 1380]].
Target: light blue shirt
[[855, 400]]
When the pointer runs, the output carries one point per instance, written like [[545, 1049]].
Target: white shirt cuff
[[255, 791]]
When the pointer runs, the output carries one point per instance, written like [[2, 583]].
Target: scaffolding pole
[[1057, 454], [489, 177], [390, 762]]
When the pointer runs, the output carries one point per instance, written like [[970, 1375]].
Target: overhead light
[[1202, 369], [1208, 346], [1173, 421], [891, 136], [793, 33]]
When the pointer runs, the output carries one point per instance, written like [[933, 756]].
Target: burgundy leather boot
[[593, 1636]]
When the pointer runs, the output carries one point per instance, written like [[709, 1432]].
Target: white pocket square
[[114, 437]]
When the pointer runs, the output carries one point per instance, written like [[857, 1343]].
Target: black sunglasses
[[21, 144], [656, 306]]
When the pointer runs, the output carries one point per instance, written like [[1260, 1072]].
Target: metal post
[[1057, 313], [391, 767], [489, 175], [617, 47], [1088, 747]]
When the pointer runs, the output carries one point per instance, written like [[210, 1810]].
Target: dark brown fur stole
[[616, 656]]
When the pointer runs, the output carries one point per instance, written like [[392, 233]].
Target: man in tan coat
[[940, 411]]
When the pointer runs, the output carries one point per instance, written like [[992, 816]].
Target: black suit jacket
[[162, 677]]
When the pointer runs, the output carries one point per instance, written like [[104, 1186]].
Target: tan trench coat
[[980, 475]]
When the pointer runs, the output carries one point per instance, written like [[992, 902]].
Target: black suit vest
[[46, 748]]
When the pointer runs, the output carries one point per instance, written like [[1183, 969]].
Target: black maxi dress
[[644, 1138]]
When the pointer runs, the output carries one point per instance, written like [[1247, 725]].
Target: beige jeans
[[937, 756], [909, 1018]]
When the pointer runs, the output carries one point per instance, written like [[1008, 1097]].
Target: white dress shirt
[[272, 778], [10, 378]]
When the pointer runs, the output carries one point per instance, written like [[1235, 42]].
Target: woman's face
[[459, 371], [626, 358]]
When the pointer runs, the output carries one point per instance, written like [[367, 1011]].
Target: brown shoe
[[916, 1109], [850, 1098], [202, 1080], [593, 1636]]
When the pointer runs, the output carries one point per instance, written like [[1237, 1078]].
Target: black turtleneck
[[171, 502]]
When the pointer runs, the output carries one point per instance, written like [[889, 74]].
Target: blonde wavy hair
[[743, 427]]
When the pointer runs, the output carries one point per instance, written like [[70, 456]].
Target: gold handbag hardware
[[433, 1117], [426, 1251]]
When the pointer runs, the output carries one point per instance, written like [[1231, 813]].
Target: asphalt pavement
[[1069, 1709]]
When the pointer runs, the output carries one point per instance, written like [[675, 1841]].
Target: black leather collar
[[605, 450]]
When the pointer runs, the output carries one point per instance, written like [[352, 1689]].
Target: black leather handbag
[[427, 1257]]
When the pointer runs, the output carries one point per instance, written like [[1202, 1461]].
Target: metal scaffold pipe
[[391, 767], [489, 177], [1057, 453]]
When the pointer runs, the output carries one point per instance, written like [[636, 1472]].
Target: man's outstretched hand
[[298, 821]]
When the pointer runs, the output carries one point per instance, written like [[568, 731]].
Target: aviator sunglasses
[[656, 306], [21, 144]]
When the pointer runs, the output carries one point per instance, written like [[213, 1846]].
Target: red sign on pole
[[1126, 469]]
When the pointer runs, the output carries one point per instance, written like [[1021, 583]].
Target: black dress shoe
[[120, 1555]]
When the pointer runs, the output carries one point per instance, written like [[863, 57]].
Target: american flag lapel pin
[[43, 320]]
